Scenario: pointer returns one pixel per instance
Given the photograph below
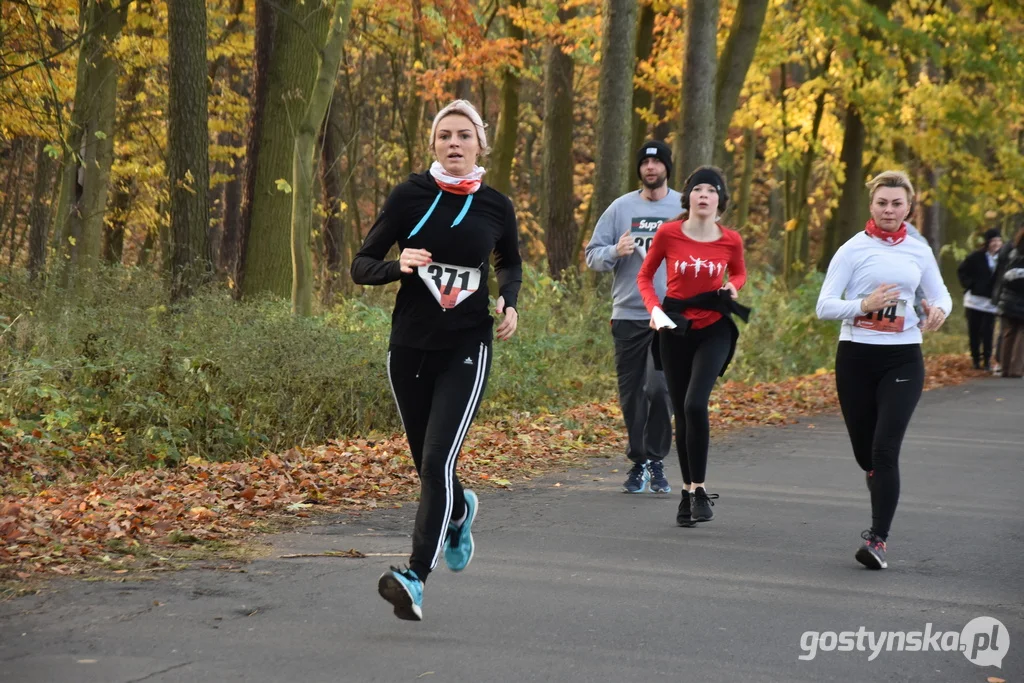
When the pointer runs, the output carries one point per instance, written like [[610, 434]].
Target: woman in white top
[[870, 286]]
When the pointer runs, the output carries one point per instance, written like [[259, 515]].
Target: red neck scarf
[[890, 238], [456, 184]]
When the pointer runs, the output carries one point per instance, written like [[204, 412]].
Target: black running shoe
[[658, 483], [637, 479], [701, 506], [683, 516], [872, 553]]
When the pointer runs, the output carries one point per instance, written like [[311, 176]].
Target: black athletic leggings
[[438, 394], [980, 330], [879, 387], [692, 363]]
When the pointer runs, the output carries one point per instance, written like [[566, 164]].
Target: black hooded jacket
[[975, 275], [460, 232]]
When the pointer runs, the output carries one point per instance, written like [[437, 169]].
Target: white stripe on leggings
[[460, 436], [394, 395]]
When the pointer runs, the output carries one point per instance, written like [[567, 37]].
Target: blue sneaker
[[659, 484], [458, 542], [403, 589], [637, 480]]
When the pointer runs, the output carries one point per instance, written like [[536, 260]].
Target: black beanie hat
[[991, 234], [657, 149], [712, 176], [705, 175]]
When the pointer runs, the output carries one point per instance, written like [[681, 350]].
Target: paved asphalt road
[[579, 582]]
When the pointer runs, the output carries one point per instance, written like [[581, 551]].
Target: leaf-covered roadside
[[121, 521]]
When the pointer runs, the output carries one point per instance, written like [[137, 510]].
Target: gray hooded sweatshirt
[[630, 212]]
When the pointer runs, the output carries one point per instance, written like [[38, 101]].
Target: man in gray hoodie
[[619, 244]]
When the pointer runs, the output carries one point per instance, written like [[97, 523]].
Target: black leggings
[[692, 363], [438, 394], [980, 330], [879, 387]]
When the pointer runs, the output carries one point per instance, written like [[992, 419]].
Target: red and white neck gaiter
[[467, 184], [890, 238]]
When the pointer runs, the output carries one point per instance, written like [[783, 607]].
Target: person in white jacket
[[870, 287]]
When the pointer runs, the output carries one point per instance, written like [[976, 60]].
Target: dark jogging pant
[[981, 328], [879, 387], [643, 394], [438, 394], [692, 363]]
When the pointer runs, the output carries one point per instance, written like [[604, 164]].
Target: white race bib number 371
[[450, 285], [889, 319]]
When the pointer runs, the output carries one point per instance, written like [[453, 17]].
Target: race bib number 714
[[889, 319], [450, 285]]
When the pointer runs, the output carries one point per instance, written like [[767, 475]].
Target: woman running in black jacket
[[446, 223]]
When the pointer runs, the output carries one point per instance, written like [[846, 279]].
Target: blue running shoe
[[637, 480], [659, 484], [403, 589], [458, 542]]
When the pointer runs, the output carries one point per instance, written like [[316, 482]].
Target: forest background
[[183, 186]]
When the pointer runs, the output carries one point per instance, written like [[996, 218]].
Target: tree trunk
[[298, 37], [504, 149], [932, 213], [67, 216], [615, 94], [333, 185], [39, 214], [90, 150], [641, 96], [749, 156], [224, 241], [124, 190], [557, 197], [737, 56], [696, 140], [797, 228], [844, 222], [263, 50], [12, 189], [463, 89], [305, 159], [188, 143], [231, 209], [414, 107]]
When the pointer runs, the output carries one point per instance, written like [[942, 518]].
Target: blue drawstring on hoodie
[[458, 219]]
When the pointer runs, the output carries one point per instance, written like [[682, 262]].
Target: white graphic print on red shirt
[[697, 266]]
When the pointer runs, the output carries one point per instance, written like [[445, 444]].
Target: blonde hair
[[466, 109], [891, 179]]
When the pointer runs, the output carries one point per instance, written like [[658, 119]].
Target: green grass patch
[[114, 374]]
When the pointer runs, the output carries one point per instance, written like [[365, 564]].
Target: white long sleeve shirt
[[864, 263]]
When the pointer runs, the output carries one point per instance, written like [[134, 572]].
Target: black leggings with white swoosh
[[438, 394], [879, 387]]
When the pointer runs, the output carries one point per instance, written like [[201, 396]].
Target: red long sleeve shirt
[[693, 268]]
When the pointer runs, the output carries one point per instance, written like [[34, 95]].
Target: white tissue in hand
[[661, 320]]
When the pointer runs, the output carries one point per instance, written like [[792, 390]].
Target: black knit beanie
[[711, 176], [991, 234], [657, 149]]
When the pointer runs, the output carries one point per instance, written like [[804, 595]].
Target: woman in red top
[[696, 333]]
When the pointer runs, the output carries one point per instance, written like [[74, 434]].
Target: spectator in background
[[977, 274], [1008, 293]]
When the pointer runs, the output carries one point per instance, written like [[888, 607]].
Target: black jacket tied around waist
[[720, 301]]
